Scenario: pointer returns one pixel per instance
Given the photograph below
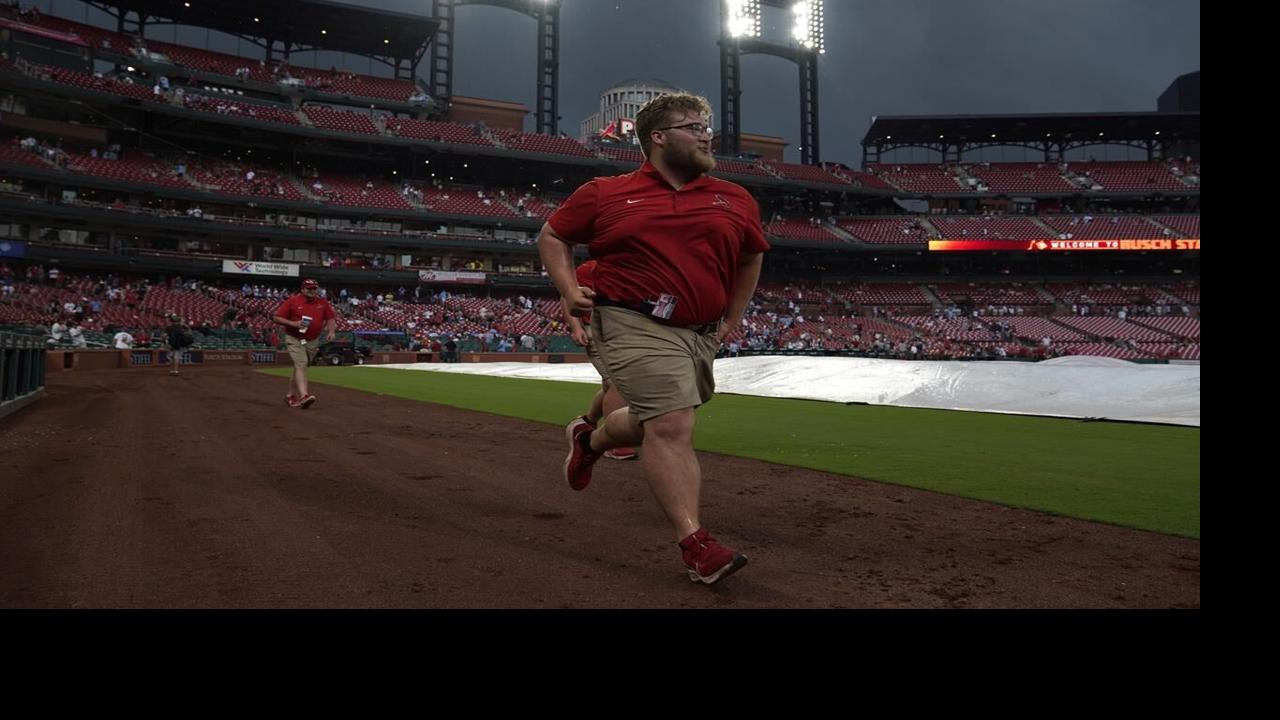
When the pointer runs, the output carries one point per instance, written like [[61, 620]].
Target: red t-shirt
[[295, 307], [650, 239]]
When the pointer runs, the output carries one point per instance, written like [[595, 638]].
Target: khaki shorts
[[594, 356], [302, 355], [657, 368]]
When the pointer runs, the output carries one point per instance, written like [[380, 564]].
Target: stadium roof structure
[[297, 24], [952, 135]]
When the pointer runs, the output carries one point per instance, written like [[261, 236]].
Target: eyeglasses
[[693, 128]]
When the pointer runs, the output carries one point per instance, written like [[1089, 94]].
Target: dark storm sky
[[884, 57]]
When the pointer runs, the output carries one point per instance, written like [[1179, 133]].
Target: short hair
[[657, 111]]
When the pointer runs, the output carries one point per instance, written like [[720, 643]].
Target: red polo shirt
[[649, 238], [298, 305]]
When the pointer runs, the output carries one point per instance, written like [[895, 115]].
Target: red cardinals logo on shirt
[[720, 202]]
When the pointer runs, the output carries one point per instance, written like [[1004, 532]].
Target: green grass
[[1141, 476]]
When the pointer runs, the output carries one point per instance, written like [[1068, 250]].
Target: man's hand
[[581, 337], [330, 337], [722, 332], [579, 302]]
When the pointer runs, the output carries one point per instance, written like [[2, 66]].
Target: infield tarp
[[1072, 387]]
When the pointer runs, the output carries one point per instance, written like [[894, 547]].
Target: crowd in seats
[[1187, 226], [1041, 177], [96, 37], [725, 166], [435, 131], [123, 86], [798, 229], [1088, 295], [1112, 328], [978, 294], [622, 154], [136, 169], [358, 192], [15, 151], [805, 173], [1187, 328], [861, 179], [991, 227], [466, 202], [213, 62], [550, 144], [538, 207], [341, 120], [1021, 177], [1099, 349], [1186, 291], [886, 231], [920, 178], [776, 292], [1127, 176], [1037, 328], [333, 81], [959, 329], [353, 84], [895, 321], [1170, 351], [251, 111], [1103, 227], [881, 294], [232, 179], [90, 310]]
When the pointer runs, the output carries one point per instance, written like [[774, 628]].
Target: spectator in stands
[[123, 340], [302, 316], [57, 331], [76, 335]]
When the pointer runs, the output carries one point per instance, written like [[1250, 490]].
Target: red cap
[[309, 283]]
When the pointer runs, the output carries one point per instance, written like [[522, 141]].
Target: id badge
[[665, 306]]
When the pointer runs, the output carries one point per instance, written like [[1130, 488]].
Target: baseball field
[[401, 489]]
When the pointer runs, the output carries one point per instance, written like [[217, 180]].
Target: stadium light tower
[[743, 18], [546, 12], [740, 35]]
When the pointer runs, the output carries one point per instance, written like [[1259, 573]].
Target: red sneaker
[[707, 560], [307, 401], [577, 465]]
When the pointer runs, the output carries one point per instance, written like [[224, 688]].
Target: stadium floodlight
[[808, 27], [744, 18]]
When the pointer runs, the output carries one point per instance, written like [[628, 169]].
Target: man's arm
[[579, 334], [557, 258], [331, 329], [296, 324], [744, 286]]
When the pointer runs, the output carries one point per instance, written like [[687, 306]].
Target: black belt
[[645, 307]]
